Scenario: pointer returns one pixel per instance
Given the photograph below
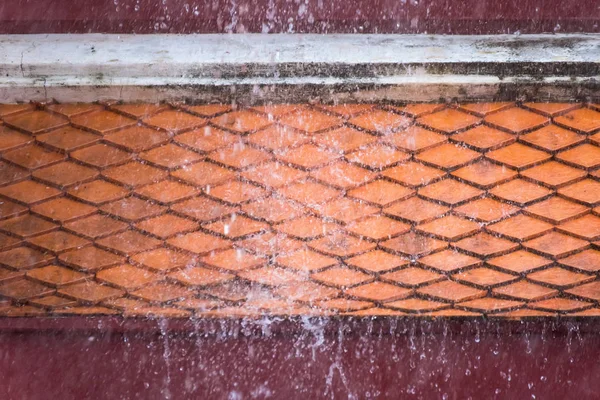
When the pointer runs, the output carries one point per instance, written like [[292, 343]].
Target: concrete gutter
[[254, 68]]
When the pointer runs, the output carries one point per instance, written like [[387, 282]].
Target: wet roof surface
[[296, 209]]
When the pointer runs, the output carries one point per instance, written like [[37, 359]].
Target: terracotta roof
[[296, 209]]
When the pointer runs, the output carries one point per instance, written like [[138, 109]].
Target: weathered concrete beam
[[256, 68]]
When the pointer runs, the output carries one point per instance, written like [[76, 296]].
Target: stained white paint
[[148, 66]]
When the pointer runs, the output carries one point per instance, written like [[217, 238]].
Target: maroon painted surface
[[347, 359], [146, 366], [296, 325], [318, 16]]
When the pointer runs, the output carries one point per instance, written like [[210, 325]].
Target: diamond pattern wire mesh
[[296, 209]]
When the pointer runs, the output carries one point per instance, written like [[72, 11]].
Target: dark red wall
[[300, 366], [99, 358], [318, 16]]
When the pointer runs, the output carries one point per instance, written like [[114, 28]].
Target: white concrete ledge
[[250, 66]]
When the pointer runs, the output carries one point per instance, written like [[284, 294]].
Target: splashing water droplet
[[239, 254]]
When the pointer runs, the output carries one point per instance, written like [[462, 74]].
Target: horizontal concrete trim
[[260, 94], [170, 67], [446, 89]]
